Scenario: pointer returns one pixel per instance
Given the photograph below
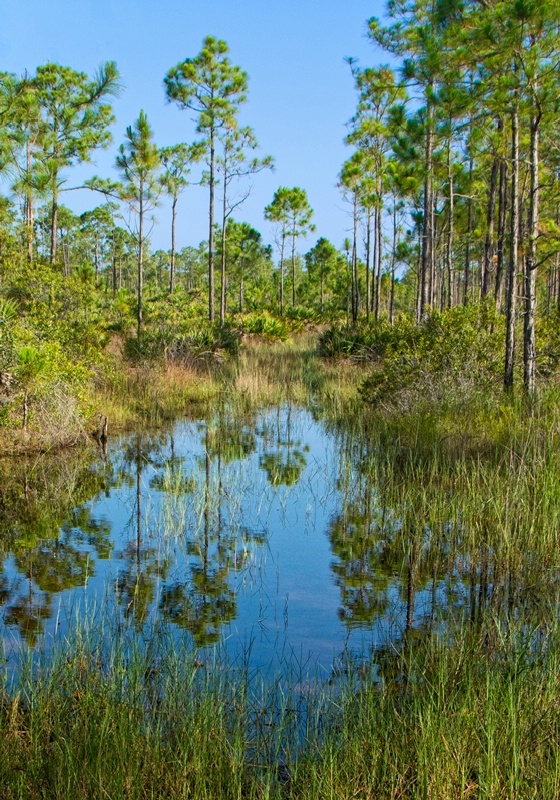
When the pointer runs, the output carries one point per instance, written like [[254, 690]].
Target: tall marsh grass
[[462, 705], [449, 717]]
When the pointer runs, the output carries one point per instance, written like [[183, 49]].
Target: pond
[[269, 534]]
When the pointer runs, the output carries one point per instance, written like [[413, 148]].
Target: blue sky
[[300, 94]]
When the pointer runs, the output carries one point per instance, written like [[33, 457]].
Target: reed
[[461, 703], [447, 717]]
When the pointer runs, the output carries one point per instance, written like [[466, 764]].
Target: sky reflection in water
[[259, 532]]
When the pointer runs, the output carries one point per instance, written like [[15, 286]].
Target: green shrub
[[301, 314], [150, 346], [204, 342], [265, 324], [363, 341], [452, 356]]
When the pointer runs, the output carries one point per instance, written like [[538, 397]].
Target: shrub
[[204, 342], [450, 357], [265, 324]]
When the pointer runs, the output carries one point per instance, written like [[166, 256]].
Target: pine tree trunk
[[294, 265], [467, 270], [29, 209], [96, 258], [368, 255], [140, 257], [54, 224], [282, 273], [172, 263], [374, 260], [223, 259], [511, 288], [489, 242], [379, 260], [393, 263], [500, 249], [450, 230], [529, 344], [211, 183], [419, 289], [426, 268], [355, 296], [348, 288]]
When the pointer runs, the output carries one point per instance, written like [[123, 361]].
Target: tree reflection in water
[[178, 524], [144, 563], [206, 602], [50, 537], [284, 465]]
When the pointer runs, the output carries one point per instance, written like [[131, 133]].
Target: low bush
[[204, 342], [265, 324], [451, 356]]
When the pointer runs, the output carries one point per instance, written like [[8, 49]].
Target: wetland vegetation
[[285, 526], [287, 595]]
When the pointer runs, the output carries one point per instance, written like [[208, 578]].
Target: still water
[[257, 533]]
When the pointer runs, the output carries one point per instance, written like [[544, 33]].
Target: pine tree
[[213, 88], [139, 162]]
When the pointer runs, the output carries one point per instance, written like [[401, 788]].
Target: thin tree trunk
[[426, 262], [467, 271], [172, 263], [355, 296], [450, 230], [54, 224], [511, 290], [500, 249], [419, 288], [211, 182], [294, 265], [529, 345], [432, 291], [393, 263], [65, 247], [348, 288], [282, 273], [379, 266], [114, 263], [140, 258], [29, 208], [223, 259], [96, 258], [489, 242], [374, 259], [368, 256]]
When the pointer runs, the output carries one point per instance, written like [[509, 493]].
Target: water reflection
[[263, 530], [143, 564], [284, 459], [47, 534], [204, 601]]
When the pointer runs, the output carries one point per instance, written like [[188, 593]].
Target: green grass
[[464, 705], [473, 715]]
